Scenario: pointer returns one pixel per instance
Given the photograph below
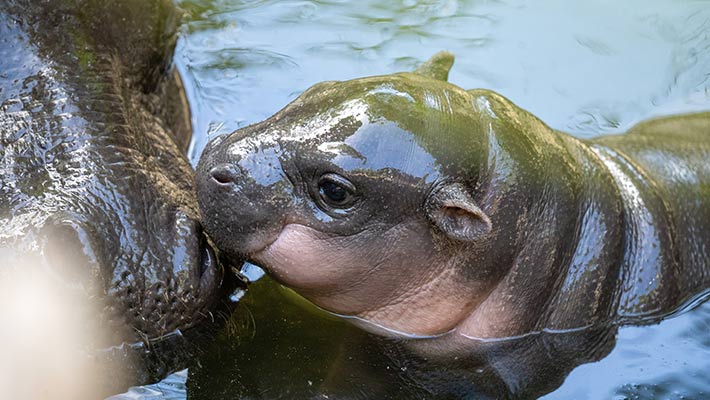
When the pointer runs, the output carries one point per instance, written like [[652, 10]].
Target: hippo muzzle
[[245, 186]]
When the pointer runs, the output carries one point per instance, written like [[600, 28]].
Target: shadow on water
[[297, 351]]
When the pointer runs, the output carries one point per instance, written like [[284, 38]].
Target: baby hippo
[[418, 209]]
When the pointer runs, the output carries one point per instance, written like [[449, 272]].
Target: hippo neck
[[140, 34], [563, 268]]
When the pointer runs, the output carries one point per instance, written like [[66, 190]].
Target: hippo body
[[663, 166], [95, 190], [421, 210]]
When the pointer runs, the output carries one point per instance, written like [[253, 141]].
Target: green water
[[584, 67]]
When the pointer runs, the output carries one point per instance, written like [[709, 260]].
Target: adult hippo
[[97, 210], [419, 209]]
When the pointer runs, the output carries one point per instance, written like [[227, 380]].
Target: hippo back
[[663, 165]]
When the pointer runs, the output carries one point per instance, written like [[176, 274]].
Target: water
[[586, 68], [668, 360], [283, 347]]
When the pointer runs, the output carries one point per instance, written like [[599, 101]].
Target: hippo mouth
[[208, 268], [256, 244], [293, 254], [149, 358], [261, 247], [215, 284]]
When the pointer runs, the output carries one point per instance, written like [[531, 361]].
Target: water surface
[[585, 67]]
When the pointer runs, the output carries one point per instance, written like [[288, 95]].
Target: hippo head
[[378, 198], [148, 274]]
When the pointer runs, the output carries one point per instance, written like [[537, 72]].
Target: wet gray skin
[[418, 208], [95, 190]]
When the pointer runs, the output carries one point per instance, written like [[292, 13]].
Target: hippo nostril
[[70, 253], [223, 174]]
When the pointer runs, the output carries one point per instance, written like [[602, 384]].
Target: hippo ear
[[437, 67], [455, 213]]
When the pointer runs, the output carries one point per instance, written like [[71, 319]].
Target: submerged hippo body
[[421, 209], [95, 190]]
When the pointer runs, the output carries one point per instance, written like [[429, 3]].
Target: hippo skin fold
[[95, 189]]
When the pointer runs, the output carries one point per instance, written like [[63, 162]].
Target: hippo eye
[[336, 191]]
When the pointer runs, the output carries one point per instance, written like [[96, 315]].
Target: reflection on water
[[669, 361], [170, 388], [588, 68], [297, 351], [294, 350]]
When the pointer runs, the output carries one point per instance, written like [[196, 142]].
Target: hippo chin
[[96, 196], [421, 208]]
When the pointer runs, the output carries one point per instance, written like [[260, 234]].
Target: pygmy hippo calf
[[420, 208]]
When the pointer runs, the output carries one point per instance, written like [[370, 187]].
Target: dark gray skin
[[420, 209], [95, 189]]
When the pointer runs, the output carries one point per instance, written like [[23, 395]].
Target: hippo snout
[[179, 292], [242, 196], [167, 286]]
